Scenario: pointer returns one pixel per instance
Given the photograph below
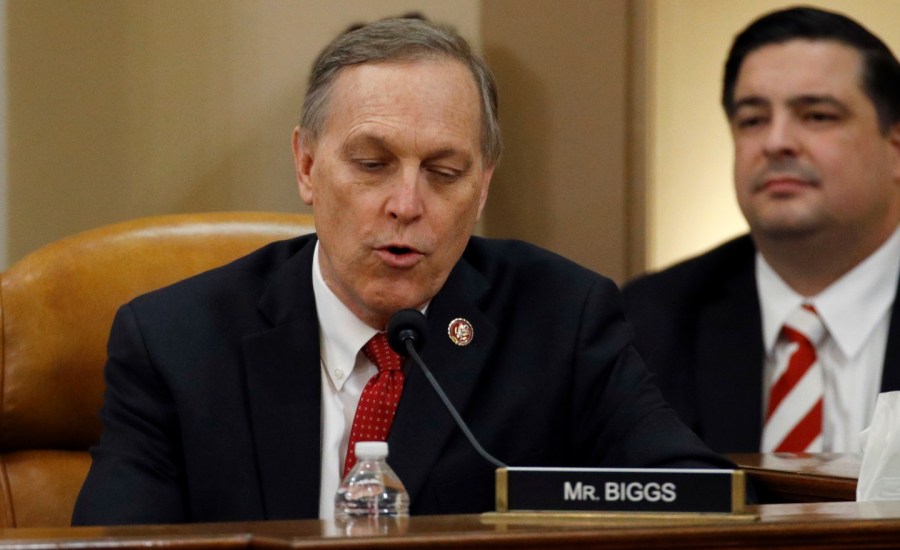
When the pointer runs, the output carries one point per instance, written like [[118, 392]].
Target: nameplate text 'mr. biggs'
[[625, 490]]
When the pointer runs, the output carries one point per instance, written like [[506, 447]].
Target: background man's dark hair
[[880, 71]]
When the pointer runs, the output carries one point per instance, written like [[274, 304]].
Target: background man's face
[[396, 182], [809, 157]]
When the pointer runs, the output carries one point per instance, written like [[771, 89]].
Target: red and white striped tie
[[794, 415]]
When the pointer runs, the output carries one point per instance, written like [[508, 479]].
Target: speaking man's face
[[396, 180]]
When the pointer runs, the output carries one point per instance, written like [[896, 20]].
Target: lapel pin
[[460, 332]]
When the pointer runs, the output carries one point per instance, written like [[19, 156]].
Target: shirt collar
[[342, 334], [776, 299], [850, 308]]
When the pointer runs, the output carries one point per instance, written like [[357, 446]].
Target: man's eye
[[820, 116], [444, 175], [371, 165], [749, 121]]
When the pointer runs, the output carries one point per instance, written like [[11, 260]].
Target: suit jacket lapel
[[422, 425], [729, 365], [284, 392], [890, 376]]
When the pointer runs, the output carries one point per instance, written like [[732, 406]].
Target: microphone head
[[406, 324]]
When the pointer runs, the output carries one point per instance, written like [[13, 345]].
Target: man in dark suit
[[231, 395], [813, 101]]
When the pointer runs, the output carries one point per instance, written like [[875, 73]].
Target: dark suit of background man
[[230, 395], [813, 102]]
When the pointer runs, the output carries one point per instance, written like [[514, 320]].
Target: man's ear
[[304, 156], [894, 140], [486, 176]]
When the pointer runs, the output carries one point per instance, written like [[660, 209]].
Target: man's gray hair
[[398, 40]]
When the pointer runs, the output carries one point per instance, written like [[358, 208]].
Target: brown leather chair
[[56, 307]]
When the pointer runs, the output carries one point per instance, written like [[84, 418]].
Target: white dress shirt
[[345, 373], [856, 311]]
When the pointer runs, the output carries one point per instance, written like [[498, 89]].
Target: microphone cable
[[450, 408]]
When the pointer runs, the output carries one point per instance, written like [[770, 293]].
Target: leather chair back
[[56, 309]]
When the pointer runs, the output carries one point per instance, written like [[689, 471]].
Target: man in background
[[781, 340], [238, 394]]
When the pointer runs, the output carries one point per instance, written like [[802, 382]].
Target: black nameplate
[[619, 490]]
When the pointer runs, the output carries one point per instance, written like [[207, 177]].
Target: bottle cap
[[371, 449]]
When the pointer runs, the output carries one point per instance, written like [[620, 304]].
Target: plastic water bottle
[[371, 489]]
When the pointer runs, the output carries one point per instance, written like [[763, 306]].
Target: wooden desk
[[801, 477], [823, 525]]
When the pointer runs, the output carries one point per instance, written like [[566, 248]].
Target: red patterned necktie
[[378, 402], [794, 414]]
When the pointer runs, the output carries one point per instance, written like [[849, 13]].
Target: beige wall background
[[690, 204], [562, 70], [617, 153]]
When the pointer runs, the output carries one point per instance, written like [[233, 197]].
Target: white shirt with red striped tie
[[856, 311]]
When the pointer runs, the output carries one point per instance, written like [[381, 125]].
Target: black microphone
[[406, 333], [407, 324]]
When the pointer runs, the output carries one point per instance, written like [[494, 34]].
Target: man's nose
[[781, 138], [405, 202]]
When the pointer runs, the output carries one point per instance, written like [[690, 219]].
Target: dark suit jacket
[[699, 329], [212, 410]]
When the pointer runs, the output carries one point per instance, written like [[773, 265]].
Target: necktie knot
[[379, 352], [805, 323]]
